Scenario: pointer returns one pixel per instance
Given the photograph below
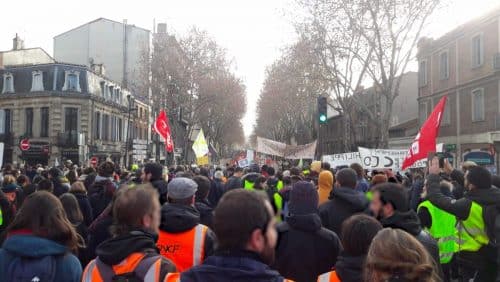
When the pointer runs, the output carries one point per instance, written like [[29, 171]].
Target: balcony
[[67, 139], [7, 138]]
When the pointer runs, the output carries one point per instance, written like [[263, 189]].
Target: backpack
[[137, 275], [27, 269]]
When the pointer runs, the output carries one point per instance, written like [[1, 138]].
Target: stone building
[[66, 111]]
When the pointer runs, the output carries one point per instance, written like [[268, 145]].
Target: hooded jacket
[[68, 267], [229, 266], [115, 250], [100, 194], [177, 218], [350, 268], [305, 249], [162, 187], [344, 202], [206, 212], [84, 204], [408, 221], [325, 185]]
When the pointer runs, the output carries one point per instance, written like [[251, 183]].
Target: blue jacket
[[239, 266], [68, 267]]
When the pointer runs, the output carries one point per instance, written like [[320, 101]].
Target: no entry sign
[[24, 144]]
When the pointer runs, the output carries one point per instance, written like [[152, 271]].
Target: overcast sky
[[253, 31]]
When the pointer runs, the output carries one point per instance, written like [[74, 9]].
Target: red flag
[[162, 127], [425, 142]]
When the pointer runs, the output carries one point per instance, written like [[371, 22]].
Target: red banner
[[162, 127]]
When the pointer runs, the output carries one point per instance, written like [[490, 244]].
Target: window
[[477, 51], [111, 93], [37, 81], [444, 69], [422, 112], [120, 129], [5, 121], [103, 89], [113, 128], [8, 83], [105, 127], [446, 114], [422, 73], [71, 123], [478, 105], [72, 81], [97, 126], [28, 125], [8, 121], [44, 118]]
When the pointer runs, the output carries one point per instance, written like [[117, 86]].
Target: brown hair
[[379, 179], [71, 207], [358, 232], [78, 188], [131, 206], [44, 215], [8, 179], [397, 254]]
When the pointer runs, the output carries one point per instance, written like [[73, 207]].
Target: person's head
[[357, 234], [260, 183], [468, 165], [45, 185], [325, 179], [182, 191], [152, 172], [136, 208], [387, 199], [270, 171], [238, 172], [204, 171], [9, 191], [203, 187], [218, 175], [360, 172], [71, 207], [244, 220], [106, 169], [346, 177], [23, 180], [78, 188], [8, 179], [254, 168], [89, 170], [54, 173], [477, 177], [379, 179], [294, 179], [395, 255], [72, 176], [43, 214], [303, 199], [325, 166]]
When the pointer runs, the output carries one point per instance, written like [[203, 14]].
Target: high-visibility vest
[[94, 273], [173, 277], [1, 217], [369, 195], [329, 277], [472, 231], [280, 185], [248, 185], [443, 230], [184, 249]]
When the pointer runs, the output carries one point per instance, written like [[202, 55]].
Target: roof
[[97, 20]]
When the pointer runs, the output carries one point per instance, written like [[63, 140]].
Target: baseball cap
[[181, 188]]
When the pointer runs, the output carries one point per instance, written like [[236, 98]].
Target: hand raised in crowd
[[434, 166], [448, 168]]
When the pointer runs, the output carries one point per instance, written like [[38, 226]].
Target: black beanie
[[395, 195], [303, 199], [479, 177]]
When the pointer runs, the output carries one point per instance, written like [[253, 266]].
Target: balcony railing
[[67, 139]]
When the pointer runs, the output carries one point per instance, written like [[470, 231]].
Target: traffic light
[[322, 109]]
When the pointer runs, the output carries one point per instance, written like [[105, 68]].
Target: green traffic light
[[322, 118]]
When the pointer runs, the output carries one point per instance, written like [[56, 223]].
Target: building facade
[[464, 65], [66, 111]]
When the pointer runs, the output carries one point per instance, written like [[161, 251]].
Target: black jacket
[[305, 249], [206, 212], [350, 268], [216, 192], [84, 203], [100, 195], [231, 266], [162, 187], [408, 221], [343, 203], [115, 250], [59, 189], [233, 183], [177, 218]]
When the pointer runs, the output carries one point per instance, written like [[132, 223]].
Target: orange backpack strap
[[173, 277], [147, 269]]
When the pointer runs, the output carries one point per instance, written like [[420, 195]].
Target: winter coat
[[230, 266], [59, 188], [362, 185], [408, 221], [216, 192], [305, 249], [100, 194], [350, 268], [162, 187], [98, 232], [233, 183], [115, 250], [68, 267], [343, 203], [206, 213], [84, 203], [417, 189], [177, 218], [325, 186]]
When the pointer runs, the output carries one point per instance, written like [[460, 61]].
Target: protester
[[102, 191], [153, 173], [182, 238], [244, 225], [78, 190], [217, 189], [305, 249], [202, 204], [358, 232], [55, 177], [395, 255], [38, 248], [6, 212], [75, 217], [344, 201], [46, 185], [476, 214], [72, 176], [131, 253], [362, 185], [325, 185], [88, 177], [390, 206]]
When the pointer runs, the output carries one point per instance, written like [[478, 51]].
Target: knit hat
[[303, 199], [395, 195], [9, 188]]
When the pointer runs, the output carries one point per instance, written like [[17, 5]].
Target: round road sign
[[25, 144]]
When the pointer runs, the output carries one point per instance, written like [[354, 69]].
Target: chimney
[[162, 28], [17, 43]]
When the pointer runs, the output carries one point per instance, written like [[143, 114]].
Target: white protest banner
[[294, 152], [306, 151], [344, 159], [385, 158], [270, 147], [243, 163]]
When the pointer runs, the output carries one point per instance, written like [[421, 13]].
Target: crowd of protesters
[[190, 223]]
